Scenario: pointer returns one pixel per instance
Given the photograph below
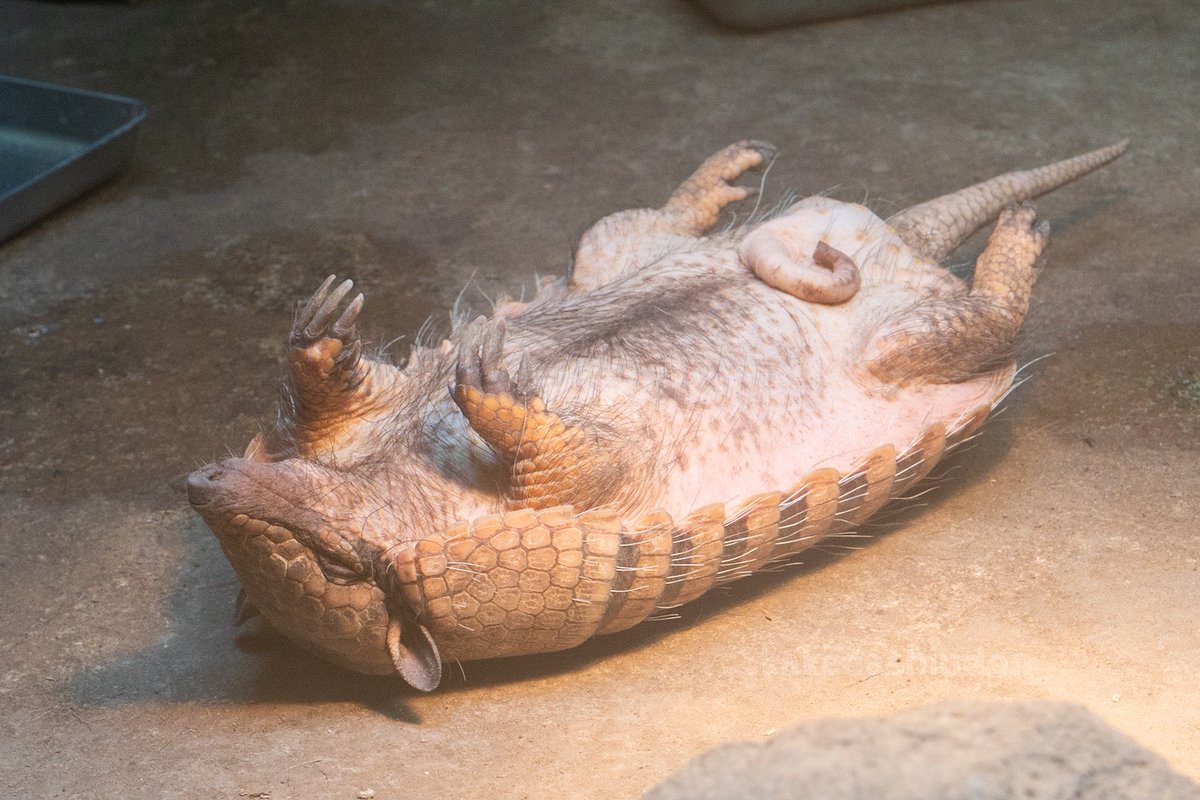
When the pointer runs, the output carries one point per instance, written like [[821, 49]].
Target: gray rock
[[950, 750]]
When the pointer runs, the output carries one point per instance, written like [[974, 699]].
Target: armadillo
[[681, 408]]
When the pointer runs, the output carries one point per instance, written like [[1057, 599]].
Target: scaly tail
[[935, 228]]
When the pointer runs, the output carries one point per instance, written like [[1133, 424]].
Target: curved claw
[[332, 384], [321, 339], [495, 372], [344, 327], [306, 313], [700, 198], [314, 319], [481, 358], [321, 319], [468, 372]]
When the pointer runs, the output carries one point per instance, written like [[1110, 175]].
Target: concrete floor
[[424, 147]]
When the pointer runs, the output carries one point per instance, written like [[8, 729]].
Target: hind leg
[[693, 208], [630, 239], [954, 339]]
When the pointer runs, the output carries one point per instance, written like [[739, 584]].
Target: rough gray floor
[[954, 750], [424, 147]]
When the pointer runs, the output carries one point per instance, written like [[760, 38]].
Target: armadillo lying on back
[[676, 412]]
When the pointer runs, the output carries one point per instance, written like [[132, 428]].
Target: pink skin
[[698, 370]]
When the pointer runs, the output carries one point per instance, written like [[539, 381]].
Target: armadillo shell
[[539, 581]]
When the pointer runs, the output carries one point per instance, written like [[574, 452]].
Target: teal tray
[[55, 144]]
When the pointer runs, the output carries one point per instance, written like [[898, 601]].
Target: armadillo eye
[[337, 571]]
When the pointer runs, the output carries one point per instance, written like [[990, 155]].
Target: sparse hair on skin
[[682, 408]]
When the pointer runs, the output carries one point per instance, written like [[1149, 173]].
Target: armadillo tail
[[936, 227], [534, 581]]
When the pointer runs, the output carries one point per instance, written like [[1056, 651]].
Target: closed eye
[[337, 571]]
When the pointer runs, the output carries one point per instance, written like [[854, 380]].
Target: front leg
[[554, 459], [630, 239], [335, 395]]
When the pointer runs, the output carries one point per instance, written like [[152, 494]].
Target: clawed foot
[[321, 344], [710, 188], [481, 359], [1018, 223], [487, 394], [955, 339], [334, 388], [629, 240], [1004, 272], [552, 463]]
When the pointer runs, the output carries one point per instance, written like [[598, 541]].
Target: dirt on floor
[[432, 150]]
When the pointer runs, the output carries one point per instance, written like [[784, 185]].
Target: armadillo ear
[[414, 653]]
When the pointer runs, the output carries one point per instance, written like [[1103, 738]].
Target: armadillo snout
[[284, 581], [253, 509], [203, 484]]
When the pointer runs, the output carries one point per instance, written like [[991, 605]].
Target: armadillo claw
[[321, 343], [701, 197], [481, 357], [333, 387], [485, 393], [551, 461], [314, 317]]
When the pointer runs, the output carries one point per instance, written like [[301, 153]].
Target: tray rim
[[138, 114]]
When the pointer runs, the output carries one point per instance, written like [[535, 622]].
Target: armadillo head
[[309, 551]]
